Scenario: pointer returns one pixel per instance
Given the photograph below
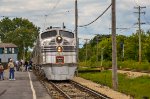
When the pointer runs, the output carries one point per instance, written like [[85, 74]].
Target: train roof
[[56, 28], [2, 45]]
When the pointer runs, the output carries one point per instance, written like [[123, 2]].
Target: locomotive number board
[[59, 59]]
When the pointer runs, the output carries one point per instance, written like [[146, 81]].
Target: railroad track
[[90, 91], [71, 90]]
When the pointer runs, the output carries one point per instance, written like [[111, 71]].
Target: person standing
[[17, 65], [1, 72], [30, 65], [26, 65], [11, 70]]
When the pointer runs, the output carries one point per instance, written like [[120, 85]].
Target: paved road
[[26, 86]]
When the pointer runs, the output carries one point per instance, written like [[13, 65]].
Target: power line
[[97, 17], [46, 15], [146, 20], [136, 3], [22, 16], [7, 16], [124, 30], [54, 7], [141, 3]]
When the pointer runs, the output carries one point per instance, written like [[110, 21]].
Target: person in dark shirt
[[30, 65], [26, 65], [1, 72]]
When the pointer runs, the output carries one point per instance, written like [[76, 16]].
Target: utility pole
[[96, 47], [102, 50], [76, 28], [76, 33], [114, 49], [86, 40], [122, 52], [139, 24]]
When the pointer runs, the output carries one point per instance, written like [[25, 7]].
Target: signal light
[[59, 49], [59, 39]]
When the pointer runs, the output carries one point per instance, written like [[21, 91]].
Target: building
[[7, 51]]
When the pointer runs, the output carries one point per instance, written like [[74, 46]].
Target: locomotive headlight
[[59, 39], [59, 48]]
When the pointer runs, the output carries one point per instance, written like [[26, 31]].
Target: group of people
[[20, 65], [11, 70], [11, 66]]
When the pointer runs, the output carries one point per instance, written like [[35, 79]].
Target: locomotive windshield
[[48, 34], [66, 34]]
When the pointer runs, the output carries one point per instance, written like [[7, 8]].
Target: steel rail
[[93, 92], [66, 95]]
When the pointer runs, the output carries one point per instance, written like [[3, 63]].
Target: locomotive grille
[[66, 42], [52, 42], [54, 49]]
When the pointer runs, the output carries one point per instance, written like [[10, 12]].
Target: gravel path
[[102, 89], [133, 74]]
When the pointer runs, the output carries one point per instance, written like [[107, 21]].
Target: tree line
[[127, 48], [23, 33]]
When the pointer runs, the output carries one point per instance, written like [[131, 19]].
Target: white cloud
[[142, 2], [60, 11]]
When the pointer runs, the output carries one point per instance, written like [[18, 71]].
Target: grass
[[133, 65], [130, 64], [137, 87]]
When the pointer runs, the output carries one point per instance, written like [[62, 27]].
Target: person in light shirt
[[11, 70]]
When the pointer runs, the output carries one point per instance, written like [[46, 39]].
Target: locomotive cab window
[[66, 34], [48, 34]]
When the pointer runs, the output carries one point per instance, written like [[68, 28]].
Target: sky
[[45, 13]]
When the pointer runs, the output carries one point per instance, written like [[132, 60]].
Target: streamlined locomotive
[[55, 53]]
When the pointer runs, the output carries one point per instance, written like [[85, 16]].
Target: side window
[[13, 50], [5, 49], [9, 50], [1, 50]]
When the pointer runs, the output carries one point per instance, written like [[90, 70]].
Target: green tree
[[147, 46], [120, 43], [6, 25], [105, 46], [131, 47], [21, 32]]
